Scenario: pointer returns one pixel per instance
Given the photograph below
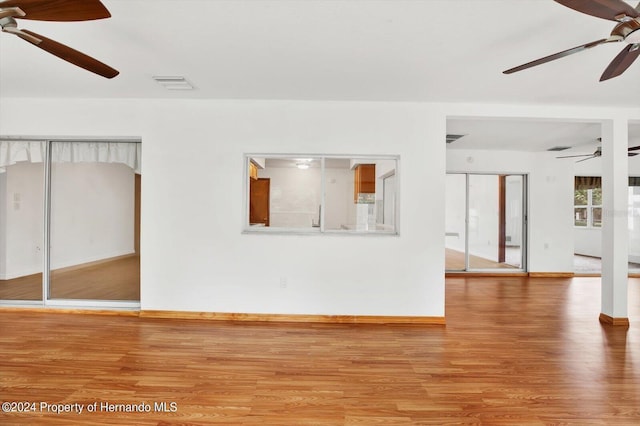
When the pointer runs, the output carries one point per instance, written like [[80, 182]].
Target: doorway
[[259, 199], [485, 222]]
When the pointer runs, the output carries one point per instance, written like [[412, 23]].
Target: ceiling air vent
[[452, 138], [558, 148], [173, 82]]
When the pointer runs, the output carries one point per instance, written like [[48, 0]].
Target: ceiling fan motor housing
[[10, 12], [628, 30]]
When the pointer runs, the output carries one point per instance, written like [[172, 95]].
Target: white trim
[[129, 139], [21, 303], [91, 304]]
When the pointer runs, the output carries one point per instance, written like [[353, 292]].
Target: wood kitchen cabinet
[[364, 180], [253, 171]]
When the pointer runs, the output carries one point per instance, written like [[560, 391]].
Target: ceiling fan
[[627, 29], [56, 10], [598, 153]]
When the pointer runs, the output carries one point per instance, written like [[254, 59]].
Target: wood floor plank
[[515, 351], [455, 261], [109, 279]]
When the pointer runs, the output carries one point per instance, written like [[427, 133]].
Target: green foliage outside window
[[587, 207], [580, 197]]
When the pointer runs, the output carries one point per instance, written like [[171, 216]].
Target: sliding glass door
[[92, 232], [456, 222], [78, 223], [485, 222]]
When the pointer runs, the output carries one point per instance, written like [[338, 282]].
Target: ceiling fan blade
[[633, 154], [634, 148], [68, 54], [621, 62], [560, 55], [605, 9], [59, 10], [575, 156], [585, 159]]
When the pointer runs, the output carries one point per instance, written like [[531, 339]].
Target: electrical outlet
[[283, 282]]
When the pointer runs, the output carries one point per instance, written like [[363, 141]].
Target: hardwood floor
[[455, 261], [111, 279], [515, 351]]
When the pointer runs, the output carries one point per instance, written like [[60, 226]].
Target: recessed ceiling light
[[173, 82], [302, 166]]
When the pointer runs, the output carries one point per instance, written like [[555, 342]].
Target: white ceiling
[[334, 163], [372, 50], [530, 135], [346, 50]]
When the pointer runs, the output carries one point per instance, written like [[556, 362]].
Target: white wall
[[194, 254], [295, 196], [92, 215], [514, 214], [3, 223], [92, 212], [483, 216], [340, 207], [455, 208], [588, 242], [24, 220], [384, 168]]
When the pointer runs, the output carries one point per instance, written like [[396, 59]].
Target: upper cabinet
[[253, 171], [364, 181]]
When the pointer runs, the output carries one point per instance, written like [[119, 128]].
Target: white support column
[[615, 248]]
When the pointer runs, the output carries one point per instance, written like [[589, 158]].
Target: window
[[588, 207], [321, 194]]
